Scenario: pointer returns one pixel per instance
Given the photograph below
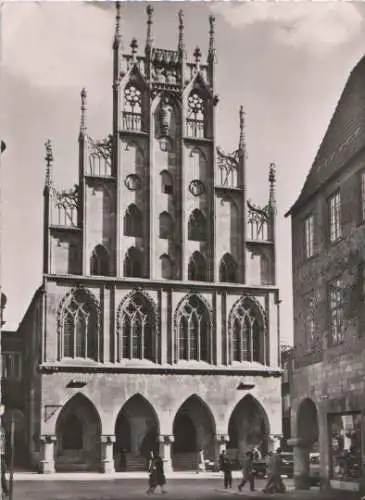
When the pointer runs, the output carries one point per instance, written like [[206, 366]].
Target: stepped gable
[[344, 138]]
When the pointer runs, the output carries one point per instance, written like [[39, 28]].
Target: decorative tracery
[[193, 323], [247, 328], [79, 326], [137, 334], [132, 114], [227, 169], [259, 222], [195, 121], [66, 204], [100, 155]]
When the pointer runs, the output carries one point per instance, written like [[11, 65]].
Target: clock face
[[133, 182], [196, 187]]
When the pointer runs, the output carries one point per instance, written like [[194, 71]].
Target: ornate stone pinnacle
[[242, 141], [117, 36], [149, 11], [83, 111], [272, 173], [272, 182], [134, 46], [181, 32], [49, 161], [197, 55], [211, 50]]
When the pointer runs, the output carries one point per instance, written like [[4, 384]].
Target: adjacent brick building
[[156, 325], [328, 233]]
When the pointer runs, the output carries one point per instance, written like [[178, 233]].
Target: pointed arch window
[[132, 114], [247, 332], [166, 267], [133, 221], [80, 327], [196, 119], [133, 263], [137, 324], [99, 262], [197, 230], [228, 269], [193, 330], [197, 268], [166, 182], [166, 226]]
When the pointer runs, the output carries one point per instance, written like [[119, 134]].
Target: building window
[[80, 327], [137, 328], [166, 182], [193, 330], [167, 268], [133, 221], [309, 236], [247, 331], [335, 217], [310, 304], [133, 263], [195, 122], [345, 446], [166, 225], [363, 196], [12, 366], [336, 305], [197, 268], [99, 261], [132, 114], [227, 269], [197, 226]]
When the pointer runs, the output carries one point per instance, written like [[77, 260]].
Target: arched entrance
[[194, 430], [78, 431], [20, 449], [307, 434], [248, 427], [136, 435]]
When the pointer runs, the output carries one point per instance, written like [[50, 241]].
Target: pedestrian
[[275, 483], [157, 475], [247, 472], [225, 467]]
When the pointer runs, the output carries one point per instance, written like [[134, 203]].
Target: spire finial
[[197, 56], [242, 142], [149, 39], [83, 126], [181, 46], [117, 35], [272, 182], [134, 47], [211, 50], [49, 162]]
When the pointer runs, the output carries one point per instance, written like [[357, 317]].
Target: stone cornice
[[49, 368]]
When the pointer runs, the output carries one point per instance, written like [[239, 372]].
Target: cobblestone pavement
[[177, 489]]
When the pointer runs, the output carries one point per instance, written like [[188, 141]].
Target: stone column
[[220, 444], [301, 464], [46, 464], [166, 441], [107, 459]]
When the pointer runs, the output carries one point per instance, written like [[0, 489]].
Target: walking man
[[275, 483], [225, 466], [247, 472]]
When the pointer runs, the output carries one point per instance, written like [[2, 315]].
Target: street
[[178, 489]]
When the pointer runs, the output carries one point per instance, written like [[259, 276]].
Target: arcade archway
[[194, 430], [248, 428], [307, 434], [78, 431], [136, 435]]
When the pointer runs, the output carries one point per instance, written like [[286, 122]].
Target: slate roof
[[344, 138]]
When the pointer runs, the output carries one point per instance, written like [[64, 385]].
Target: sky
[[285, 62]]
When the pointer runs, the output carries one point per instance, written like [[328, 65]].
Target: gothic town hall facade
[[157, 323]]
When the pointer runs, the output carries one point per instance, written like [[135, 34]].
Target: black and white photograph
[[182, 250]]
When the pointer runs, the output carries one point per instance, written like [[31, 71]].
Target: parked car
[[314, 469], [287, 464]]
